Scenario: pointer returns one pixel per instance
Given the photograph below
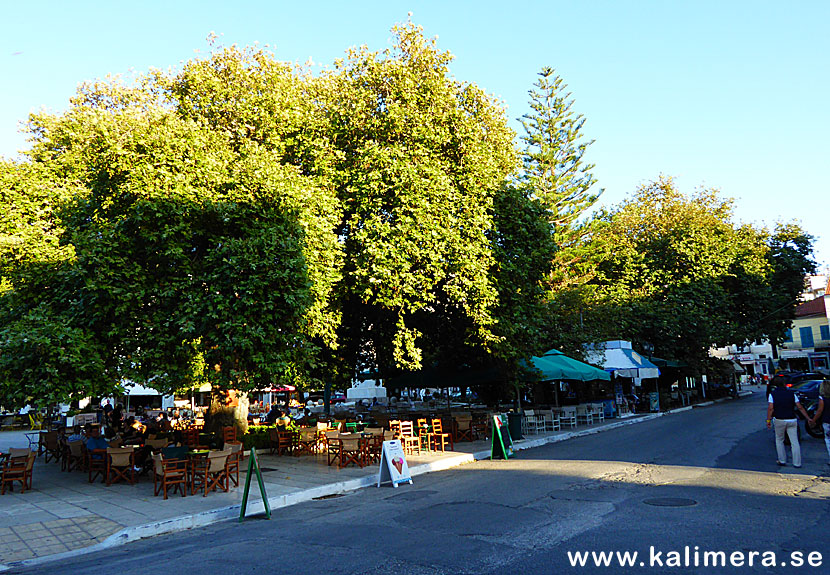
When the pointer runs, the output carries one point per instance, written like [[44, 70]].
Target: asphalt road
[[526, 515]]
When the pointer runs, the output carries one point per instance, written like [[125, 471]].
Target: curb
[[130, 534]]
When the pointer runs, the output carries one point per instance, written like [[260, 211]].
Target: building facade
[[807, 343]]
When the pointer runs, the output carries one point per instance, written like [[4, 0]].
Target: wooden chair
[[333, 446], [463, 427], [211, 473], [480, 424], [50, 445], [74, 456], [229, 434], [287, 442], [169, 473], [234, 460], [120, 465], [352, 450], [374, 444], [410, 442], [395, 427], [18, 468], [439, 439], [157, 445], [190, 437], [424, 432], [273, 440], [308, 441], [96, 464]]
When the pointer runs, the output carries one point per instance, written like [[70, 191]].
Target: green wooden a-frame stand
[[502, 446], [253, 467]]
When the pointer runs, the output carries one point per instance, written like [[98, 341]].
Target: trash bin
[[514, 424]]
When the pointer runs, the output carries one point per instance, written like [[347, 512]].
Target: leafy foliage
[[419, 159], [683, 277]]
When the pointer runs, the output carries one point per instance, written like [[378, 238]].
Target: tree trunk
[[228, 408]]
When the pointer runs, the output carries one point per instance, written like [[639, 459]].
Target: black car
[[808, 388], [790, 378]]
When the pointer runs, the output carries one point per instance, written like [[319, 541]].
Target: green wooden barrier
[[253, 468]]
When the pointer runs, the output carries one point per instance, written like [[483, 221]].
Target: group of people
[[782, 405], [114, 420]]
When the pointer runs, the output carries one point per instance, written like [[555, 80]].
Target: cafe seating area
[[191, 461], [544, 420]]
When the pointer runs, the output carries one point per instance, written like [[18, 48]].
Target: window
[[806, 335], [825, 331], [788, 335]]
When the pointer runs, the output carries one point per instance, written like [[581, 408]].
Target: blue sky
[[731, 95]]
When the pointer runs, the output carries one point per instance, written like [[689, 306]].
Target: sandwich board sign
[[502, 442], [253, 469], [393, 465]]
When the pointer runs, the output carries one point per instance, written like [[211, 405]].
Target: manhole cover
[[670, 502], [332, 496]]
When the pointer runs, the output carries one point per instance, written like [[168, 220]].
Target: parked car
[[807, 389], [790, 378]]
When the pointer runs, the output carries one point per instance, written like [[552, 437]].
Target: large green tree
[[419, 159], [44, 357], [557, 177], [556, 174], [677, 272], [191, 249]]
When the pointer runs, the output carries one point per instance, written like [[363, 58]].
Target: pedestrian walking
[[822, 416], [782, 404]]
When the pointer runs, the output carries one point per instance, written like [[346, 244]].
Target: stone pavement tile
[[13, 556], [15, 546], [71, 512], [29, 529], [30, 518], [50, 550]]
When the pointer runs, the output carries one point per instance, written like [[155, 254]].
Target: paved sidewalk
[[66, 515]]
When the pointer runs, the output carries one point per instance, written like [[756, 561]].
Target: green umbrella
[[556, 365]]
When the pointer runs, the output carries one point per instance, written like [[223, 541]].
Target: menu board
[[393, 465], [502, 447]]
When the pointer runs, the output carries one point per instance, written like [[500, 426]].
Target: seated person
[[283, 421], [272, 416], [133, 432], [76, 434], [95, 441], [164, 425]]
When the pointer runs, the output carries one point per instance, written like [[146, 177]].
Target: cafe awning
[[555, 365], [617, 358]]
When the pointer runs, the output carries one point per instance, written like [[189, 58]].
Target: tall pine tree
[[555, 173]]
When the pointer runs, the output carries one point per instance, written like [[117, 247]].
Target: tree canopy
[[675, 271], [244, 222]]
